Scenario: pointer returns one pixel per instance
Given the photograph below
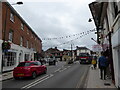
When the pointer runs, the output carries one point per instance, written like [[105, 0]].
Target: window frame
[[11, 34], [21, 41], [22, 26], [12, 17], [27, 44]]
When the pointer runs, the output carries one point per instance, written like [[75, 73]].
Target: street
[[58, 76]]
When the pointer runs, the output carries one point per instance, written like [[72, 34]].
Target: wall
[[0, 20], [116, 56], [0, 54]]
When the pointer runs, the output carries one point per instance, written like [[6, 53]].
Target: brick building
[[24, 42], [53, 52]]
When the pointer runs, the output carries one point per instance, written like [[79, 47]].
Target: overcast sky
[[58, 18]]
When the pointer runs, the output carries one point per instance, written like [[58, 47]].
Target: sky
[[60, 21]]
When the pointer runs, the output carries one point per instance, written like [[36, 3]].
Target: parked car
[[29, 69], [52, 61], [70, 61]]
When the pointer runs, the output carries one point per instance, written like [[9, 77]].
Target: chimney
[[55, 47], [77, 47]]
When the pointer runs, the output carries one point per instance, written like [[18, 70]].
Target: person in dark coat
[[102, 65]]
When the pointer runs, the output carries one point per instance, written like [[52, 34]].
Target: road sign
[[97, 48]]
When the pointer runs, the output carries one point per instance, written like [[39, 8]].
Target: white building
[[106, 16], [82, 50]]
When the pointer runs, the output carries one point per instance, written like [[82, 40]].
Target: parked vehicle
[[29, 69], [84, 58], [52, 61], [70, 61]]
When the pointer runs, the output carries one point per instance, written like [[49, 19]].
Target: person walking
[[94, 62], [102, 65]]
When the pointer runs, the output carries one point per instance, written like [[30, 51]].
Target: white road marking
[[37, 81], [63, 70], [57, 70], [69, 66]]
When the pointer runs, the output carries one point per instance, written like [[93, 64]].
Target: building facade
[[23, 40], [54, 52], [106, 16]]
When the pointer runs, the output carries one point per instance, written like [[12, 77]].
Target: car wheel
[[34, 75], [45, 71], [16, 78]]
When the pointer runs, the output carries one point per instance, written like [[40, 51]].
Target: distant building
[[68, 55], [82, 50], [23, 40], [54, 52]]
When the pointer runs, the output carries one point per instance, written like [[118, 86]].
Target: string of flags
[[84, 34], [74, 35]]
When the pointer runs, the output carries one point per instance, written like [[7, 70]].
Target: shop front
[[14, 55]]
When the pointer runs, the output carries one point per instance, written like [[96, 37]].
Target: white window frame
[[27, 44], [22, 26], [27, 31], [9, 59], [11, 35], [12, 18], [21, 41]]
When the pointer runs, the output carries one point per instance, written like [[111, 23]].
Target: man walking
[[102, 65]]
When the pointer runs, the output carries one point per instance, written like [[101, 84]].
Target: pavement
[[94, 80]]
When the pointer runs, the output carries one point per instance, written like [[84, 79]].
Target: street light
[[90, 20], [18, 3]]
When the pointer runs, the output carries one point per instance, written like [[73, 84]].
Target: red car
[[29, 69]]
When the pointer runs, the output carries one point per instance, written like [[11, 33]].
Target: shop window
[[26, 57], [9, 59]]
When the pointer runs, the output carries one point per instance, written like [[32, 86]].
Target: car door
[[40, 67], [34, 67]]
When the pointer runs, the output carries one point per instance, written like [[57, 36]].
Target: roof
[[52, 50], [82, 48]]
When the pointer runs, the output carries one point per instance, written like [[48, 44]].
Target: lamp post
[[5, 24], [97, 28]]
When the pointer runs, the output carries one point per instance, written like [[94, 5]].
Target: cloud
[[58, 18]]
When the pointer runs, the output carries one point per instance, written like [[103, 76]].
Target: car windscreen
[[23, 64]]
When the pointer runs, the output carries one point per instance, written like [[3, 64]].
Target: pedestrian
[[102, 65], [94, 62]]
